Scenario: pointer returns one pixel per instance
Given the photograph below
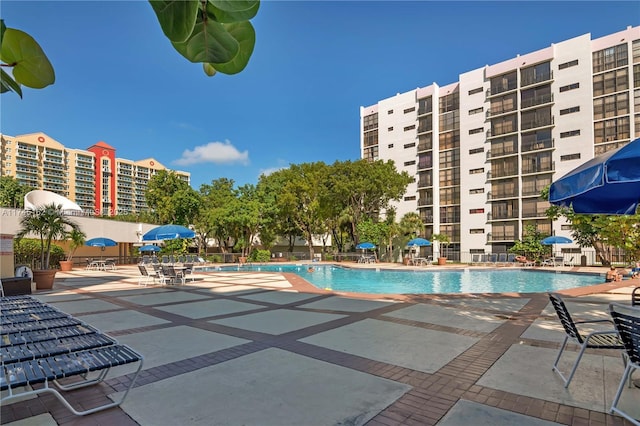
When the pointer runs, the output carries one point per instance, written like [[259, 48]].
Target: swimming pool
[[380, 281]]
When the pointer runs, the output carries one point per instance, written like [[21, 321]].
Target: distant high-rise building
[[482, 149], [94, 179]]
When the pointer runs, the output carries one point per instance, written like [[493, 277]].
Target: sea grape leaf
[[210, 42], [176, 17], [244, 33], [228, 11], [32, 67]]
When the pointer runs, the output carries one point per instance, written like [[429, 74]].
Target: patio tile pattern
[[269, 349]]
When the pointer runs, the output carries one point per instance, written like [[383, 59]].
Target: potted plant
[[48, 223], [76, 238], [443, 239]]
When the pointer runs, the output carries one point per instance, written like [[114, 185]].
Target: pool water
[[429, 281]]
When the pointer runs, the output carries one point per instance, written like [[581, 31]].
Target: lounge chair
[[635, 297], [627, 323], [607, 339], [568, 262], [146, 276], [475, 258], [502, 259]]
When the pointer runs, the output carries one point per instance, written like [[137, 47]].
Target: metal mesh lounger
[[23, 337], [18, 375], [15, 353], [39, 325]]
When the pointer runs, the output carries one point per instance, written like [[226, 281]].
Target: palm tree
[[76, 238], [49, 223]]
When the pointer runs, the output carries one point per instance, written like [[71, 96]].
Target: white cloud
[[214, 152], [270, 170]]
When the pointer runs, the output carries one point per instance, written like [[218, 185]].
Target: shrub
[[26, 251], [216, 258], [260, 256]]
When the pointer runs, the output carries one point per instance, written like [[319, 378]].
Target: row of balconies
[[526, 169]]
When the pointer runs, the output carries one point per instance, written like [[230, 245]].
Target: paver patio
[[269, 349]]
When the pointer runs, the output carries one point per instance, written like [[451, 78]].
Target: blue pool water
[[429, 281]]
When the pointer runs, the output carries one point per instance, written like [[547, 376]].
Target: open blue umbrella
[[150, 247], [419, 242], [100, 242], [556, 239], [365, 246], [608, 184], [168, 232]]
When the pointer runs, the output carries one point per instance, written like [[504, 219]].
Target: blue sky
[[119, 80]]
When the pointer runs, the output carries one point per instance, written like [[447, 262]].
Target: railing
[[538, 145], [527, 80], [536, 100]]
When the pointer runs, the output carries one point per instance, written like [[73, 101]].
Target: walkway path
[[266, 349]]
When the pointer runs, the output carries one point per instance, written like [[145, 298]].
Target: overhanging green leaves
[[177, 17], [210, 42], [32, 67], [228, 11], [244, 33], [8, 84]]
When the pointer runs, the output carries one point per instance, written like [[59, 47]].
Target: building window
[[390, 112], [566, 227], [476, 150], [568, 64], [409, 145], [569, 110], [478, 130], [390, 129], [476, 171], [390, 145], [411, 198], [476, 231], [476, 211], [476, 191], [408, 110], [410, 163], [407, 128], [569, 87], [476, 90], [476, 111], [570, 134], [570, 157]]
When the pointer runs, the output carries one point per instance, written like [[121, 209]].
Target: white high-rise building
[[481, 149]]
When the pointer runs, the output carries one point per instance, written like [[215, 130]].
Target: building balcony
[[493, 237], [496, 112], [537, 123], [538, 168], [501, 174], [496, 153], [513, 215], [501, 89], [530, 80], [539, 213], [423, 202], [537, 100], [540, 145], [491, 195]]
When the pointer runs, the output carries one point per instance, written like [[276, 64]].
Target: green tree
[[365, 188], [12, 192], [49, 223], [171, 199], [216, 33], [76, 239], [301, 197], [530, 245], [214, 220]]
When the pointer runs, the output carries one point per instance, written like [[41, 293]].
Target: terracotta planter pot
[[442, 261], [66, 265], [44, 278]]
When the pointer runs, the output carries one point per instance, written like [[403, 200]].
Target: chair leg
[[567, 380], [614, 405]]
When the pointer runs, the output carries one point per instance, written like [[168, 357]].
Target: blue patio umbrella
[[608, 184], [419, 242], [100, 242], [555, 239], [150, 247], [168, 232], [365, 246]]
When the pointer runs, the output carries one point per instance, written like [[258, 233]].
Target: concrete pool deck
[[251, 348]]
